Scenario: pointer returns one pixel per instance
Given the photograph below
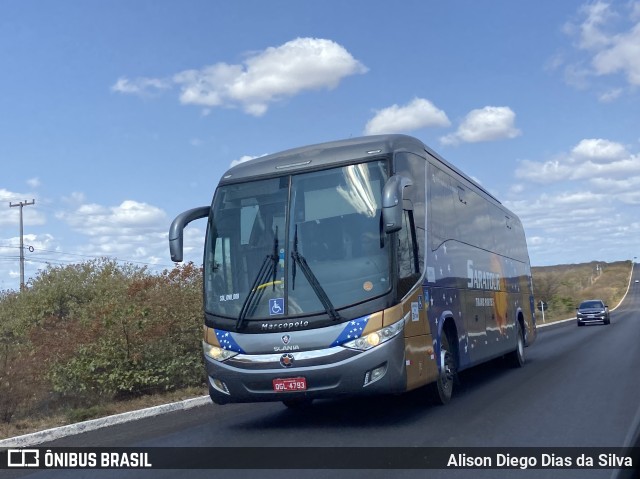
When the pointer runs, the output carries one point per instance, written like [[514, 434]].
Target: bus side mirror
[[392, 202], [177, 227]]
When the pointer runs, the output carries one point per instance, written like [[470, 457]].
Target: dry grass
[[70, 416]]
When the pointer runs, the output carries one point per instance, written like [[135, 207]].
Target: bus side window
[[445, 204], [411, 238], [408, 255]]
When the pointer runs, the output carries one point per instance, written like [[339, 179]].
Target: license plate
[[289, 384]]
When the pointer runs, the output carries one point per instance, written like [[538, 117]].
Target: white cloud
[[625, 184], [517, 189], [599, 150], [588, 203], [568, 214], [131, 231], [75, 198], [10, 216], [14, 197], [610, 95], [41, 241], [541, 172], [487, 124], [130, 218], [140, 86], [597, 16], [626, 190], [33, 182], [591, 170], [622, 56], [546, 203], [591, 159], [589, 225], [134, 213], [630, 198], [419, 113], [263, 78], [609, 35], [37, 248], [207, 87]]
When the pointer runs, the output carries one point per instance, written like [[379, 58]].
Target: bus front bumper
[[326, 373]]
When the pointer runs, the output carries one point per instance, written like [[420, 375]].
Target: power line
[[35, 253], [121, 260]]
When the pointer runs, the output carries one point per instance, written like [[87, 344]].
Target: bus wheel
[[516, 357], [442, 389]]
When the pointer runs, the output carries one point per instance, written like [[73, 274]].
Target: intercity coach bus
[[364, 266]]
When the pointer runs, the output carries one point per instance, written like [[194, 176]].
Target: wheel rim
[[520, 347], [448, 371]]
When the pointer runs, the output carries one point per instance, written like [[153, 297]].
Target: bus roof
[[321, 155]]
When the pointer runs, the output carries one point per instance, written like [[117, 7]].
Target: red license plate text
[[289, 384]]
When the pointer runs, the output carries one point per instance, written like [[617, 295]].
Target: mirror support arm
[[177, 227], [392, 202]]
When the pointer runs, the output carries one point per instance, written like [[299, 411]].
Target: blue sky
[[116, 116]]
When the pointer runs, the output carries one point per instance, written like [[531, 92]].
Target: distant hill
[[564, 286]]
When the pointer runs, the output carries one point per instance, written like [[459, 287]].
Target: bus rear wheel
[[516, 357], [442, 389]]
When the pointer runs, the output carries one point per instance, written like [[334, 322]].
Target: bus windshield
[[297, 245]]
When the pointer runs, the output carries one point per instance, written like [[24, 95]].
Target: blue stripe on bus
[[353, 330], [227, 342]]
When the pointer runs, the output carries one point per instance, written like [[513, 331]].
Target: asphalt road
[[580, 387]]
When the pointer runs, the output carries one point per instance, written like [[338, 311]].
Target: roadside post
[[541, 307]]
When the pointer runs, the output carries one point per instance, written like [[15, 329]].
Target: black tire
[[441, 390], [580, 324], [516, 357]]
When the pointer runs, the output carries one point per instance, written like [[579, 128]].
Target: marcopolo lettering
[[283, 326]]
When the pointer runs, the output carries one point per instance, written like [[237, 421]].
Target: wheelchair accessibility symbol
[[276, 306]]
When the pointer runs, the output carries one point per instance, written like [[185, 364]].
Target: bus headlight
[[216, 353], [377, 337]]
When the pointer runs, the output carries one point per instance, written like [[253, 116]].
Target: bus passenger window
[[409, 263]]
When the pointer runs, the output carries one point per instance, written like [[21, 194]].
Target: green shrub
[[99, 331]]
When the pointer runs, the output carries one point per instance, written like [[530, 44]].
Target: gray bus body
[[362, 266]]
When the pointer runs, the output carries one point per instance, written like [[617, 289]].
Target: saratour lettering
[[481, 279]]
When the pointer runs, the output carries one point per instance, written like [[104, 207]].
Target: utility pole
[[21, 205]]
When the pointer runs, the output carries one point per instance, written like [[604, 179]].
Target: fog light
[[219, 386], [373, 375]]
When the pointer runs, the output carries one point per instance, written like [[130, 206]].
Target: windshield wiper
[[269, 265], [312, 279]]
